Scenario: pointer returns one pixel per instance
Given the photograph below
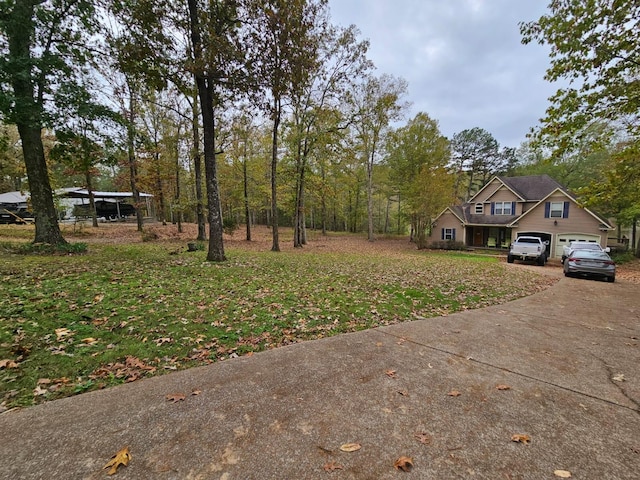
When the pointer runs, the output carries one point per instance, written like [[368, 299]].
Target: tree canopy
[[595, 50]]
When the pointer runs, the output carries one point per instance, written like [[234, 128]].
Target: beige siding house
[[508, 207]]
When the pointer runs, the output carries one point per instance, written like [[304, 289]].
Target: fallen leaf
[[98, 298], [404, 393], [503, 387], [404, 463], [121, 458], [454, 393], [8, 364], [331, 466], [195, 391], [423, 438], [519, 438], [350, 447], [175, 397], [44, 381], [619, 377], [390, 373], [62, 332], [89, 341], [39, 391], [562, 473]]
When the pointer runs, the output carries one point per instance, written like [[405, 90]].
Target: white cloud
[[463, 59]]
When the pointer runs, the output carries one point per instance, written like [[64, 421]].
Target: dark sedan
[[590, 263]]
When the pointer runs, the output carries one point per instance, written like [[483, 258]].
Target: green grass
[[75, 323]]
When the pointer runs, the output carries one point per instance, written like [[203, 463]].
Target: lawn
[[128, 309]]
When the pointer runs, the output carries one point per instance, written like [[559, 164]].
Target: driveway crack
[[529, 377], [618, 384]]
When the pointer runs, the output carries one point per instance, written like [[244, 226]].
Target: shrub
[[448, 245], [623, 257]]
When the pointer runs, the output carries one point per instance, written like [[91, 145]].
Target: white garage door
[[566, 238]]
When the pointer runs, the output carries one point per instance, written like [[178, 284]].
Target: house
[[508, 207]]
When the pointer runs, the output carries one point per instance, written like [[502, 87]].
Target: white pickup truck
[[528, 248], [581, 245]]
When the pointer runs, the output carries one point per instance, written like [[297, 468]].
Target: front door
[[478, 237]]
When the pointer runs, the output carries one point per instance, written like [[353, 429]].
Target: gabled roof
[[533, 187], [528, 188], [603, 222], [456, 210]]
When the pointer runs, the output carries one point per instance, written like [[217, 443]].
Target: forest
[[242, 112]]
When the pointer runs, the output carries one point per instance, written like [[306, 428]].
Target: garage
[[563, 239]]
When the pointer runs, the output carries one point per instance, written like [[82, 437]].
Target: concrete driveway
[[561, 367]]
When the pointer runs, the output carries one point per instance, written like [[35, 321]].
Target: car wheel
[[611, 279], [509, 259]]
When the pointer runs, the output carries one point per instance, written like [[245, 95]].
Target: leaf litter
[[350, 287]]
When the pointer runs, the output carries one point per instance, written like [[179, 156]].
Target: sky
[[463, 60]]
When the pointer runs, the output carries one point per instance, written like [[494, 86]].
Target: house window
[[448, 233], [503, 208], [479, 208], [556, 209]]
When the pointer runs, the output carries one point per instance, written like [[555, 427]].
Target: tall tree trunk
[[370, 236], [20, 32], [197, 168], [277, 111], [634, 238], [133, 166], [387, 219], [46, 217], [298, 222], [216, 246], [323, 202], [178, 203], [159, 188], [206, 94], [245, 184]]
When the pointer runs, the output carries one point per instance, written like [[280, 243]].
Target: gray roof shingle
[[533, 187]]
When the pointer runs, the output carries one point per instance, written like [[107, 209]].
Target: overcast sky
[[463, 59]]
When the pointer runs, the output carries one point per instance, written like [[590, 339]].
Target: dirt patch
[[261, 238]]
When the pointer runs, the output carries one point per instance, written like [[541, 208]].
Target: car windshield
[[585, 246], [592, 254], [528, 240]]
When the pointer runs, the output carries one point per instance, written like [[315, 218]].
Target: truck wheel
[[540, 261], [509, 259]]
